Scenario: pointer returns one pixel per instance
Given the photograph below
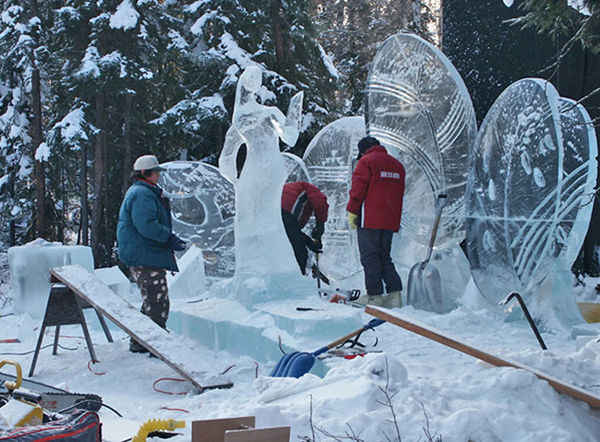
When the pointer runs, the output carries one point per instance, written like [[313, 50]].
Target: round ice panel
[[295, 168], [202, 203], [514, 192], [580, 169], [330, 158], [419, 108]]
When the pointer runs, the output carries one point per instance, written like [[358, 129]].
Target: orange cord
[[90, 368], [168, 392]]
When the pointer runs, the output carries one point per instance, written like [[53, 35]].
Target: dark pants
[[375, 246], [152, 283], [297, 239]]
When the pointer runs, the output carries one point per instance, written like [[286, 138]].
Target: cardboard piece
[[276, 434], [213, 430]]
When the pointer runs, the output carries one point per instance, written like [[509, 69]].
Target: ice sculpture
[[329, 158], [262, 249], [532, 172], [580, 170], [418, 104], [202, 203], [295, 168], [30, 266]]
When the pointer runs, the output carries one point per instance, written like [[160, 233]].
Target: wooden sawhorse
[[64, 308]]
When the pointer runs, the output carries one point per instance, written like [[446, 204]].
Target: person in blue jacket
[[146, 240]]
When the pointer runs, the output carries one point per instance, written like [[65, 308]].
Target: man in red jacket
[[299, 201], [375, 209]]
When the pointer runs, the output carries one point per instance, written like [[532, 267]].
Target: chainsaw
[[49, 398]]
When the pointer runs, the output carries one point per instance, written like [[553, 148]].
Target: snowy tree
[[230, 35], [352, 31], [579, 20], [119, 71], [23, 182]]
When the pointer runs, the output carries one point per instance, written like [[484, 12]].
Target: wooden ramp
[[431, 333], [141, 328]]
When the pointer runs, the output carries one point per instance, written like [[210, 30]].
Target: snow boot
[[135, 347], [374, 300], [393, 300]]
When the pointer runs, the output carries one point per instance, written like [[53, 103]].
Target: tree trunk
[[277, 22], [127, 160], [40, 176], [83, 196], [99, 172]]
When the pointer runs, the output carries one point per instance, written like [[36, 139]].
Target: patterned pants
[[152, 283]]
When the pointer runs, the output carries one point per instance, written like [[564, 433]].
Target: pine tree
[[24, 206], [352, 31], [230, 35], [560, 18]]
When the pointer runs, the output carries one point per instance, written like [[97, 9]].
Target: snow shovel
[[424, 285], [296, 363]]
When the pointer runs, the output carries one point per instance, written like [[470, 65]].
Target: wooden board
[[141, 328], [433, 334]]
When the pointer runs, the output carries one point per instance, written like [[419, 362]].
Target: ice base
[[226, 325]]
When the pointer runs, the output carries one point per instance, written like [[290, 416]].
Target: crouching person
[[146, 241], [300, 201]]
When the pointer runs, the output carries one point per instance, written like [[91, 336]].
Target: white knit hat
[[147, 162]]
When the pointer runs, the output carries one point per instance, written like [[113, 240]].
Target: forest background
[[86, 86]]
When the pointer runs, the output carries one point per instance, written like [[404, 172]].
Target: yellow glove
[[352, 220]]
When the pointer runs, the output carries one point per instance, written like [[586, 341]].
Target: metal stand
[[527, 315], [64, 308]]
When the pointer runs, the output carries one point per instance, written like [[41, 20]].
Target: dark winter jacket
[[144, 228], [301, 199], [377, 190]]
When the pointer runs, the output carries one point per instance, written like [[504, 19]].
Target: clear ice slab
[[532, 174], [419, 108]]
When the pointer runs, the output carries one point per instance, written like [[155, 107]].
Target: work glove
[[315, 246], [318, 231], [175, 243], [352, 220]]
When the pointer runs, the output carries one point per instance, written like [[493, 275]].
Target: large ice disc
[[420, 109], [515, 191]]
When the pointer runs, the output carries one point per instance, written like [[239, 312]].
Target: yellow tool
[[18, 412], [156, 425]]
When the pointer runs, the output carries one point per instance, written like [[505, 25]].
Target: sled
[[435, 335], [141, 328]]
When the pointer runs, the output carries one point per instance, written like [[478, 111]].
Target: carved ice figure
[[203, 209], [531, 171], [419, 108], [261, 245], [329, 158]]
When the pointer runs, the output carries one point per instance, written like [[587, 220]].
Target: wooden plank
[[141, 328], [435, 335]]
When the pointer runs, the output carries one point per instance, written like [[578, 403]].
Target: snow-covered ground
[[405, 388]]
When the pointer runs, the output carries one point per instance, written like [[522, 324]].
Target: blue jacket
[[144, 228]]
